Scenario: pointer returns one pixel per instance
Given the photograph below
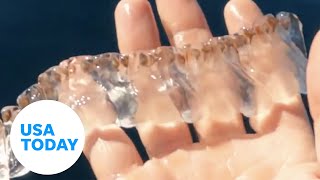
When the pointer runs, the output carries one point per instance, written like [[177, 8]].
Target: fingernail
[[241, 13]]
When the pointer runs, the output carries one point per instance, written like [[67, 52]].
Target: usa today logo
[[47, 137]]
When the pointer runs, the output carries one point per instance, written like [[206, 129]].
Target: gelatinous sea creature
[[222, 77]]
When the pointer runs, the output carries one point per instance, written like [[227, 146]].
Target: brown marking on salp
[[221, 43], [50, 79], [8, 113], [183, 55], [108, 61], [258, 30], [164, 54], [206, 47], [230, 41], [63, 68], [115, 62], [248, 33], [101, 60], [48, 89], [273, 23], [195, 53], [180, 59], [22, 101], [143, 59], [152, 58], [240, 40], [266, 25], [75, 62], [124, 60], [88, 66], [207, 51], [54, 74]]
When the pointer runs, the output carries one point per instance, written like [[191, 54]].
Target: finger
[[136, 26], [110, 151], [208, 130], [184, 21], [163, 139], [159, 123], [136, 30], [313, 73], [241, 13]]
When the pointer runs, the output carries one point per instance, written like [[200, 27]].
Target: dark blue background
[[35, 35]]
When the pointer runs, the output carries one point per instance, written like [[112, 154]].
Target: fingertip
[[241, 13], [131, 8], [136, 26], [183, 21], [314, 50]]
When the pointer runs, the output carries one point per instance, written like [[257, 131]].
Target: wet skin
[[284, 146]]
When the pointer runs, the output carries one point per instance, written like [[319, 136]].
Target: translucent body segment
[[277, 66], [8, 162], [4, 167], [72, 83], [182, 88], [149, 75], [215, 90], [118, 90], [267, 60], [83, 94], [9, 165], [32, 94], [50, 80], [290, 30], [207, 74], [243, 86]]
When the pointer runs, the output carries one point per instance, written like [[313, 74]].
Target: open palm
[[284, 146]]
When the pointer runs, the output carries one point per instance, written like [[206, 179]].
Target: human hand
[[286, 150]]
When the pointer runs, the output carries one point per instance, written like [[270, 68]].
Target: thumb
[[313, 87]]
